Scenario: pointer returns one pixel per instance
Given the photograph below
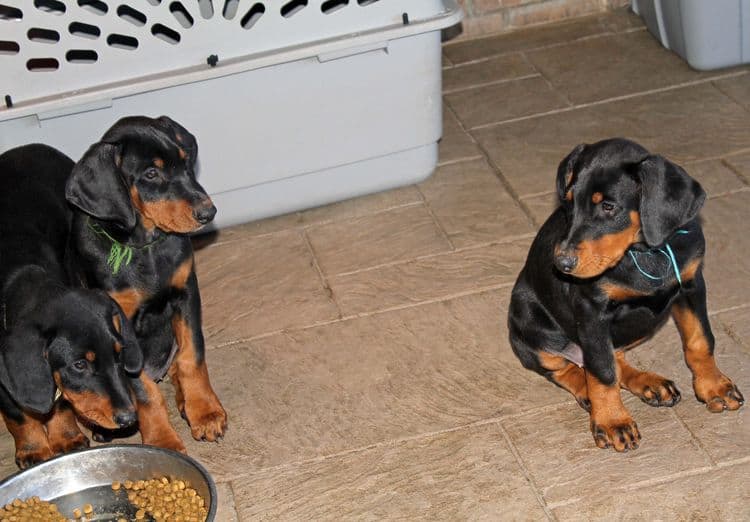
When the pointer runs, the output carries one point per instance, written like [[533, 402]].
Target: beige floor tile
[[463, 475], [741, 165], [397, 235], [613, 65], [504, 101], [506, 67], [542, 207], [621, 20], [429, 278], [715, 177], [559, 451], [718, 495], [353, 383], [529, 151], [727, 266], [738, 328], [226, 511], [530, 38], [258, 286], [456, 144], [252, 229], [724, 436], [471, 204], [737, 88]]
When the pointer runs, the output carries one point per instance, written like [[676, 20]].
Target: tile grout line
[[464, 159], [458, 90], [526, 472], [234, 500], [498, 173], [603, 34], [435, 220], [549, 83], [477, 246], [324, 281], [623, 97]]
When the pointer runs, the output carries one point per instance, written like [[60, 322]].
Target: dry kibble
[[32, 509]]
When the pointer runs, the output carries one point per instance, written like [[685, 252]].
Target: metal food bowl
[[85, 477]]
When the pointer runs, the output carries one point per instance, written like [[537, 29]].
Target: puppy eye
[[608, 207], [151, 173], [81, 365]]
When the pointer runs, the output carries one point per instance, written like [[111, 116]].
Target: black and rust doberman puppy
[[135, 200], [623, 250], [55, 339]]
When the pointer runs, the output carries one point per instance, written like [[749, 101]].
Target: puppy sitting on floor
[[622, 252], [135, 200], [60, 347]]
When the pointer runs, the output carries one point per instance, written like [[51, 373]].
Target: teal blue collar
[[666, 252]]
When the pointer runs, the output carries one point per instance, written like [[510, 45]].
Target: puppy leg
[[153, 417], [31, 441], [196, 399], [567, 376], [711, 386], [651, 388], [63, 432], [611, 423]]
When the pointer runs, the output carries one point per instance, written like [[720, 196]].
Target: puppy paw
[[655, 390], [621, 434], [718, 394], [69, 442], [170, 441], [207, 421], [30, 455]]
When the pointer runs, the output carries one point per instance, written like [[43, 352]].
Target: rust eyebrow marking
[[158, 162], [569, 195], [597, 197], [182, 153], [90, 356]]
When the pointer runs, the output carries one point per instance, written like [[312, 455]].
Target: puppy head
[[82, 345], [616, 194], [142, 171]]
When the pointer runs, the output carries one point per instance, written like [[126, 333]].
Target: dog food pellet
[[165, 499], [30, 510]]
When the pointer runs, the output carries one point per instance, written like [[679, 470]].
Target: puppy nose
[[125, 418], [566, 262], [205, 213]]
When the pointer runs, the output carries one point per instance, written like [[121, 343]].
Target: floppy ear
[[669, 198], [565, 174], [96, 186], [24, 371], [183, 138], [132, 356]]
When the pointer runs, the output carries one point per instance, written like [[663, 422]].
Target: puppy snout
[[566, 261], [205, 213], [125, 418]]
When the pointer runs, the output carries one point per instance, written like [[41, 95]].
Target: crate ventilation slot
[[132, 41]]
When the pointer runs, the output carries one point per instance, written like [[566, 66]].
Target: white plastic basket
[[294, 103]]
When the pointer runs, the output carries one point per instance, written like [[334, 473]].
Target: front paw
[[70, 442], [28, 456], [170, 441], [207, 421], [718, 394], [621, 434]]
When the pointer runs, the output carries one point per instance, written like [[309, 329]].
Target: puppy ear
[[183, 138], [131, 355], [24, 371], [97, 188], [565, 173], [669, 198]]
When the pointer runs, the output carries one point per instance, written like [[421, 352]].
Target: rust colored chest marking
[[181, 275], [129, 299], [620, 293], [689, 270]]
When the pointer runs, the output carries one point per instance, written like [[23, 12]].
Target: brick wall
[[491, 16]]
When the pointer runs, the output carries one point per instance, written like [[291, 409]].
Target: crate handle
[[353, 51]]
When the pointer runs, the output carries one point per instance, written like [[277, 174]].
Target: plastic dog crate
[[295, 103], [708, 34]]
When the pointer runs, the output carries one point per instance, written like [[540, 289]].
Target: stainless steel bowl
[[85, 477]]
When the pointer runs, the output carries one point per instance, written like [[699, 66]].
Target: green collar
[[119, 253]]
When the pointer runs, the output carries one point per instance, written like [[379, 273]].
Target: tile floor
[[361, 349]]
